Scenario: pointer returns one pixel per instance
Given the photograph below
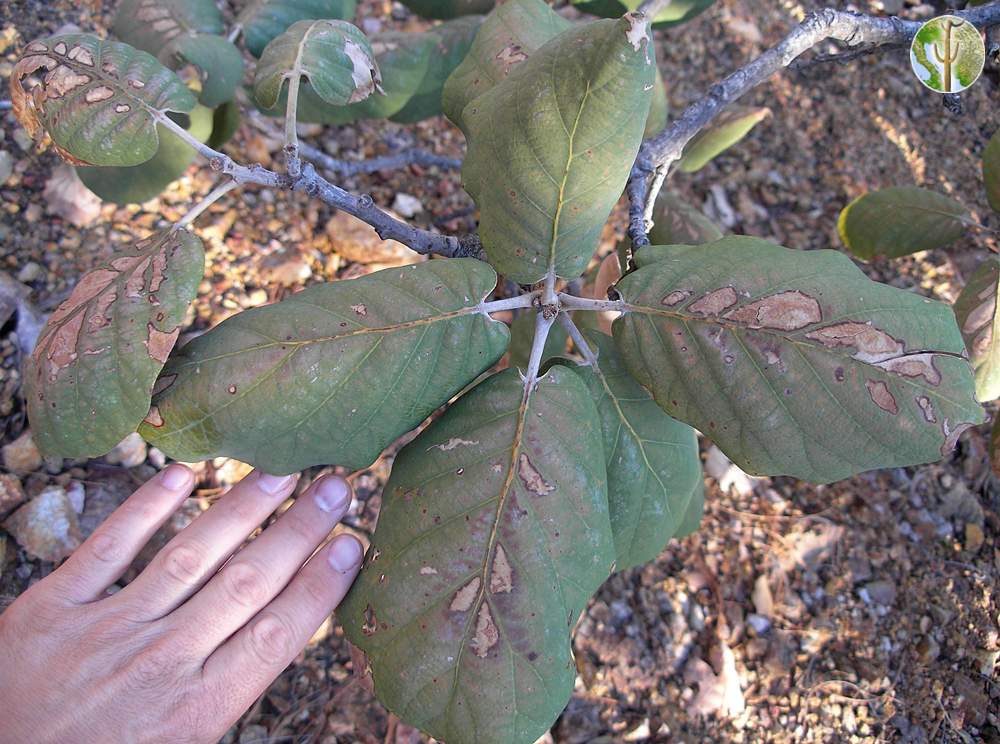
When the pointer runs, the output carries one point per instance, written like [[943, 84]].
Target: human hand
[[181, 652]]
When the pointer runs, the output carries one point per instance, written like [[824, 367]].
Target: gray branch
[[388, 162], [856, 30]]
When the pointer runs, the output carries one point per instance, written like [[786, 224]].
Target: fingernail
[[273, 483], [345, 553], [175, 477], [332, 494]]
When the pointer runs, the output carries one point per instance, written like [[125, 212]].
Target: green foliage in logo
[[948, 54]]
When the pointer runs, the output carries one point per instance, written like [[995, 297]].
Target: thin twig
[[213, 196], [509, 303], [543, 323], [854, 29], [234, 34], [652, 8], [570, 302], [579, 341]]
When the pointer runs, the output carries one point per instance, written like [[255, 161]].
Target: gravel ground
[[865, 611]]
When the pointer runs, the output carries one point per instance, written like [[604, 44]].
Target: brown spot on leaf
[[913, 365], [231, 390], [531, 478], [784, 311], [122, 108], [137, 84], [60, 48], [369, 622], [63, 80], [452, 444], [872, 344], [62, 343], [82, 55], [486, 635], [465, 597], [99, 318], [361, 310], [153, 418], [510, 55], [159, 343], [882, 396], [36, 47], [501, 576], [100, 93], [714, 302], [428, 571], [159, 265], [676, 297], [927, 408]]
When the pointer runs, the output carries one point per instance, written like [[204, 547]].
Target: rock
[[30, 272], [879, 592], [77, 495], [21, 455], [974, 537], [287, 270], [128, 453], [6, 165], [759, 623], [67, 197], [727, 473], [357, 241], [11, 493], [46, 526], [12, 294], [407, 205]]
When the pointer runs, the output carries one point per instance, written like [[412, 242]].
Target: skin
[[181, 652]]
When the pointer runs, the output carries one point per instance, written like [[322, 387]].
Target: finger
[[261, 570], [243, 667], [195, 554], [108, 552]]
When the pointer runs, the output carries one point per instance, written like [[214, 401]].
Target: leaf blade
[[353, 366], [90, 377], [496, 616], [806, 367], [976, 312], [266, 20]]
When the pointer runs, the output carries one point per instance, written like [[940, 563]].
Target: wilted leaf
[[654, 472], [451, 42], [181, 32], [804, 366], [448, 8], [991, 171], [900, 220], [551, 146], [728, 129], [522, 334], [97, 99], [333, 56], [89, 380], [264, 20], [493, 534], [678, 11], [138, 183], [976, 311], [354, 364], [510, 34], [676, 222]]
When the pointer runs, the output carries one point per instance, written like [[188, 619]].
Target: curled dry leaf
[[90, 377], [97, 100]]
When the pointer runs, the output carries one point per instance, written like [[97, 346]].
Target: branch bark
[[854, 29]]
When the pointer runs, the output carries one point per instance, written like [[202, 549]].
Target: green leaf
[[551, 146], [522, 334], [656, 121], [97, 99], [492, 536], [448, 8], [334, 56], [150, 25], [676, 222], [219, 62], [225, 123], [678, 11], [692, 515], [991, 171], [795, 362], [451, 40], [654, 472], [90, 378], [402, 60], [334, 373], [510, 34], [976, 311], [138, 183], [181, 32], [900, 220], [265, 20], [725, 131]]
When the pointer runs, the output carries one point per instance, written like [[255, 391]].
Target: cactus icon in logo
[[948, 54]]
